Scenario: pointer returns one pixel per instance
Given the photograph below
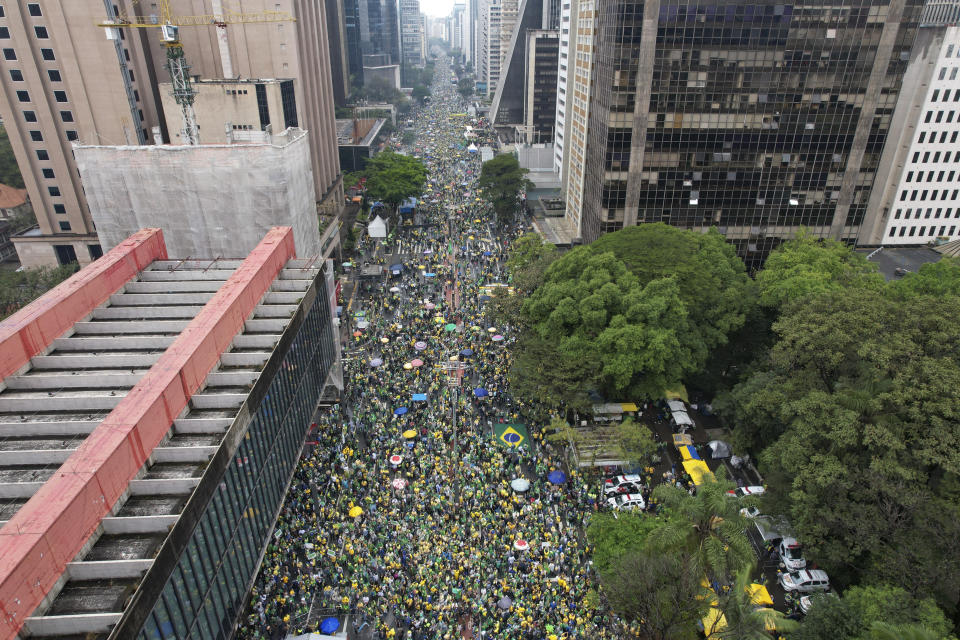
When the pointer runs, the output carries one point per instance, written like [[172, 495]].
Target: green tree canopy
[[807, 265], [9, 169], [941, 278], [19, 288], [392, 177], [502, 180]]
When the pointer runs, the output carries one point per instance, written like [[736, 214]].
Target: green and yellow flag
[[512, 434]]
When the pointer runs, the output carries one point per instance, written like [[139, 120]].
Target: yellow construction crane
[[169, 25]]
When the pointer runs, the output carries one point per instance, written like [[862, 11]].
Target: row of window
[[41, 33], [943, 73], [936, 213], [935, 155], [11, 54], [946, 95], [939, 117], [930, 176], [33, 8], [207, 588], [900, 231], [933, 136], [945, 194]]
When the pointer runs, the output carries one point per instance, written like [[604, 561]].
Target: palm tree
[[884, 631], [745, 619], [707, 526]]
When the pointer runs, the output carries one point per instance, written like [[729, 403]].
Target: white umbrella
[[520, 485]]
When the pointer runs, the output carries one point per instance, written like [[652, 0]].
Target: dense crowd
[[403, 522]]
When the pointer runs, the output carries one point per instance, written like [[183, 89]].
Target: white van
[[791, 554], [805, 581]]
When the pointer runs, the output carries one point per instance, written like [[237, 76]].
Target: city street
[[429, 510]]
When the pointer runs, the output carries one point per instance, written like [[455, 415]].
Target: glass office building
[[756, 118]]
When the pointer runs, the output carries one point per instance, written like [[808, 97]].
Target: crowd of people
[[410, 517]]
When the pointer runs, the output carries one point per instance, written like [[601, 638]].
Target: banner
[[512, 434]]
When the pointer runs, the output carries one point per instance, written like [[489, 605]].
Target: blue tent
[[487, 253], [480, 392], [408, 205], [419, 397], [429, 275], [399, 411], [557, 477], [466, 352], [395, 269], [329, 625]]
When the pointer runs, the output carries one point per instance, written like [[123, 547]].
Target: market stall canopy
[[719, 449], [676, 405], [607, 408], [681, 439], [698, 470], [681, 418], [377, 228]]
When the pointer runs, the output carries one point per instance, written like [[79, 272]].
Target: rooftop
[[11, 197], [140, 338], [889, 259]]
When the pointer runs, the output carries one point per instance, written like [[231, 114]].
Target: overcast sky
[[438, 8]]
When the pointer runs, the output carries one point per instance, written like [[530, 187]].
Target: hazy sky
[[439, 8]]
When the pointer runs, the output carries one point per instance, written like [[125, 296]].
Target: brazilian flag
[[512, 434]]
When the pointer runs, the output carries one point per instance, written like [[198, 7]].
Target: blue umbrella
[[487, 253], [396, 267], [429, 275], [419, 397], [399, 411], [480, 392], [329, 625], [557, 477], [466, 352]]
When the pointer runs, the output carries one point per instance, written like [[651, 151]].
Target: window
[[66, 116], [54, 191], [953, 136], [953, 73], [927, 117], [130, 73], [946, 95], [23, 96], [4, 33], [64, 225], [903, 195], [36, 136], [923, 196], [42, 154], [896, 216], [41, 32], [893, 230], [939, 116], [913, 230], [59, 208], [936, 94], [923, 135], [916, 156], [902, 229], [34, 9], [29, 116], [943, 136], [71, 134], [66, 254], [47, 54], [949, 51], [96, 251], [943, 73], [60, 96], [9, 54], [48, 173], [909, 176], [54, 75], [926, 156]]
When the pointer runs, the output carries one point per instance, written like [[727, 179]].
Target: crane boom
[[208, 20]]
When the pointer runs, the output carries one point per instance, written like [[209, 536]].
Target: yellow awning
[[698, 470], [676, 393], [684, 453], [681, 439], [713, 622], [629, 406], [759, 595]]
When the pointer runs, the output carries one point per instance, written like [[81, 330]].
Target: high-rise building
[[489, 58], [540, 85], [411, 38], [354, 48], [63, 81], [379, 29], [459, 24], [915, 198], [754, 118], [151, 426], [336, 13]]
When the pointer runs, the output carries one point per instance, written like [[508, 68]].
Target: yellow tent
[[684, 453], [677, 393], [698, 470], [759, 595], [681, 440]]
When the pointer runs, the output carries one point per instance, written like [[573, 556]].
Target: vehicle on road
[[630, 483], [627, 501], [742, 492], [750, 512], [791, 554], [805, 581]]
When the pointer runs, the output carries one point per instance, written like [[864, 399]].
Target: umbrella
[[429, 275], [475, 328], [505, 603], [407, 366], [520, 485], [430, 305], [347, 264], [376, 362], [410, 433], [719, 449], [497, 338], [419, 345], [395, 460], [557, 477], [466, 352], [419, 397], [399, 483], [487, 253], [329, 625], [492, 329], [356, 511], [394, 289], [451, 327], [399, 411], [480, 392], [521, 545], [384, 340], [357, 334], [416, 363], [363, 324]]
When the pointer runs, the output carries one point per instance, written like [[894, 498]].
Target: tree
[[744, 619], [420, 92], [9, 169], [707, 527], [634, 440], [631, 339], [938, 279], [393, 178], [19, 288], [503, 180], [613, 537], [807, 265], [465, 87]]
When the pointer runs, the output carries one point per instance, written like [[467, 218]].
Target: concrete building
[[411, 39], [488, 46], [380, 29], [336, 11], [151, 425], [357, 139], [13, 202], [245, 105], [209, 199], [64, 81], [353, 45], [377, 71], [459, 26], [756, 119], [915, 199]]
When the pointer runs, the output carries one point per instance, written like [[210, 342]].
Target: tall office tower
[[470, 33], [62, 82], [561, 131], [458, 26], [489, 45], [339, 62], [530, 60], [411, 38], [65, 81], [754, 118], [354, 48], [379, 29], [915, 200]]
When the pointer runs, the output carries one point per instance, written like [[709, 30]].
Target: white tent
[[472, 148], [377, 228], [719, 448], [676, 405], [681, 418]]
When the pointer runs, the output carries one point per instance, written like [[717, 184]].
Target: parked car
[[807, 602], [627, 501], [791, 555], [630, 483], [741, 492], [770, 529], [750, 512], [805, 581]]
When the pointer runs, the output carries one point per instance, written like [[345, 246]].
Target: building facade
[[540, 85], [915, 198], [757, 119], [162, 538], [411, 38]]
